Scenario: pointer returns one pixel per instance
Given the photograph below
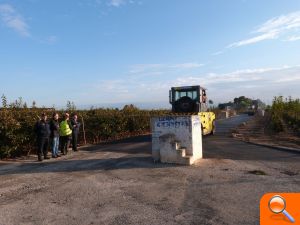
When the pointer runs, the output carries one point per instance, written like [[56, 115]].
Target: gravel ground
[[119, 184]]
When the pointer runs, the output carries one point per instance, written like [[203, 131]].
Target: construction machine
[[193, 100]]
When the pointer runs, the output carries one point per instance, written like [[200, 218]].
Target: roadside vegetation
[[17, 121], [285, 114], [242, 104], [282, 116]]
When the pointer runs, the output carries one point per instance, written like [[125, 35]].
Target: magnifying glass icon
[[277, 205]]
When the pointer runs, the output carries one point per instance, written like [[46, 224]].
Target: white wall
[[185, 130]]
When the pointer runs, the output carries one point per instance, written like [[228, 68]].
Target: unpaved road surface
[[119, 184]]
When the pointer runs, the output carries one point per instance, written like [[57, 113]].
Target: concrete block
[[176, 139]]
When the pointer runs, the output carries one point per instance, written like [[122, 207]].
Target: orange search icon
[[277, 204]]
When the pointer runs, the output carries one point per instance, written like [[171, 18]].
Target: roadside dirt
[[255, 131]]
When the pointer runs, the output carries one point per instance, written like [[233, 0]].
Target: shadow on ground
[[138, 155], [133, 145], [66, 166]]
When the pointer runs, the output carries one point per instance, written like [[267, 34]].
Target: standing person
[[65, 132], [42, 130], [54, 127], [75, 131]]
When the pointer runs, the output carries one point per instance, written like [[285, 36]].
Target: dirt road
[[119, 184]]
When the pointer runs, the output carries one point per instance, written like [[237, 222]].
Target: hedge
[[285, 112], [17, 124]]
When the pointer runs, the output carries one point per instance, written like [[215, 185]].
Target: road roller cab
[[193, 99]]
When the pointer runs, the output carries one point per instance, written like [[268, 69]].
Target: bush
[[285, 111], [16, 131], [17, 125]]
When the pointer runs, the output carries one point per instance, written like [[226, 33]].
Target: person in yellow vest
[[65, 132]]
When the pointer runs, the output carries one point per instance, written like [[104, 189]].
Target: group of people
[[56, 134]]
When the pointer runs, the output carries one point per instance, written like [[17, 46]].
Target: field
[[102, 125], [99, 125]]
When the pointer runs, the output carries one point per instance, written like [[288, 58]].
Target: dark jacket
[[54, 127], [42, 129], [75, 125]]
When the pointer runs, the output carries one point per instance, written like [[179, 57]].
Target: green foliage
[[17, 125], [4, 101], [285, 111], [107, 124], [71, 106], [243, 103]]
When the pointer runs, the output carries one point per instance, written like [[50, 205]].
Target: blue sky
[[103, 52]]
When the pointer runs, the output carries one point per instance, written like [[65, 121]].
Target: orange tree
[[17, 125], [285, 111]]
